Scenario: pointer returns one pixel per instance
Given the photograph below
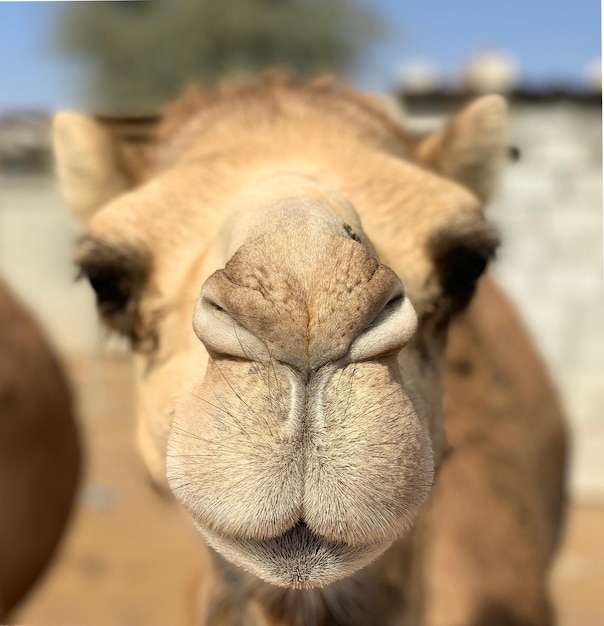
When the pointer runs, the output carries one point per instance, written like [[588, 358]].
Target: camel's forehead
[[286, 211], [228, 198]]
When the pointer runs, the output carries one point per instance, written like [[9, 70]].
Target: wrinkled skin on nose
[[306, 311]]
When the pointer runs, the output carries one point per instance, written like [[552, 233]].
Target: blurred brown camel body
[[300, 419], [39, 452]]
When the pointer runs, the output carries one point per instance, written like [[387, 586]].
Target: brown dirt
[[131, 557]]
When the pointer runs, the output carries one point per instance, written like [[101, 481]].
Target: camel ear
[[472, 147], [99, 158]]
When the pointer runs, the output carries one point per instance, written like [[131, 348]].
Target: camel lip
[[297, 558]]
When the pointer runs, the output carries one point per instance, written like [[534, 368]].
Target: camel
[[329, 383], [40, 455]]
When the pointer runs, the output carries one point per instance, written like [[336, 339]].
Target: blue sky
[[551, 41]]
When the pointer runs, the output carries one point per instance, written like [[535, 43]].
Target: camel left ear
[[472, 147], [100, 157]]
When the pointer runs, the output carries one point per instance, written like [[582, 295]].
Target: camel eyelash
[[111, 290], [117, 277], [460, 258]]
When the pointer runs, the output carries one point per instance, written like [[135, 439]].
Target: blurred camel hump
[[40, 455]]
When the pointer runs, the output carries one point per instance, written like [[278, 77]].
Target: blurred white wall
[[37, 239], [549, 209]]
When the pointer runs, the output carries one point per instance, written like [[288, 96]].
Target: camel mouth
[[298, 558]]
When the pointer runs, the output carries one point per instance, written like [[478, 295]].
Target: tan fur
[[39, 452], [457, 154], [508, 440], [302, 418]]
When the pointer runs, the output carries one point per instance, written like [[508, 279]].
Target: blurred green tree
[[139, 54]]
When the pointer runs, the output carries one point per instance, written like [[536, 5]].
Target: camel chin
[[298, 558]]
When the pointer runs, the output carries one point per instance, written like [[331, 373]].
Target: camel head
[[285, 259]]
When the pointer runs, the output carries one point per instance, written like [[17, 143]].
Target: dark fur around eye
[[117, 276], [111, 293], [460, 257]]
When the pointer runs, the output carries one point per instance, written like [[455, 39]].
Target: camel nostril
[[389, 331], [216, 307], [395, 300], [391, 306], [220, 332]]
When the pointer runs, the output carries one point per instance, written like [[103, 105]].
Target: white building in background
[[548, 209], [487, 72], [418, 76], [593, 75]]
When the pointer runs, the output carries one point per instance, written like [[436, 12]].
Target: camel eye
[[460, 258], [116, 300], [118, 278], [460, 270], [111, 293]]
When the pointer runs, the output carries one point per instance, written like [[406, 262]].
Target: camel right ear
[[472, 148], [99, 158]]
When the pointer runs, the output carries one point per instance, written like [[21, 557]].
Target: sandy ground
[[131, 557]]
